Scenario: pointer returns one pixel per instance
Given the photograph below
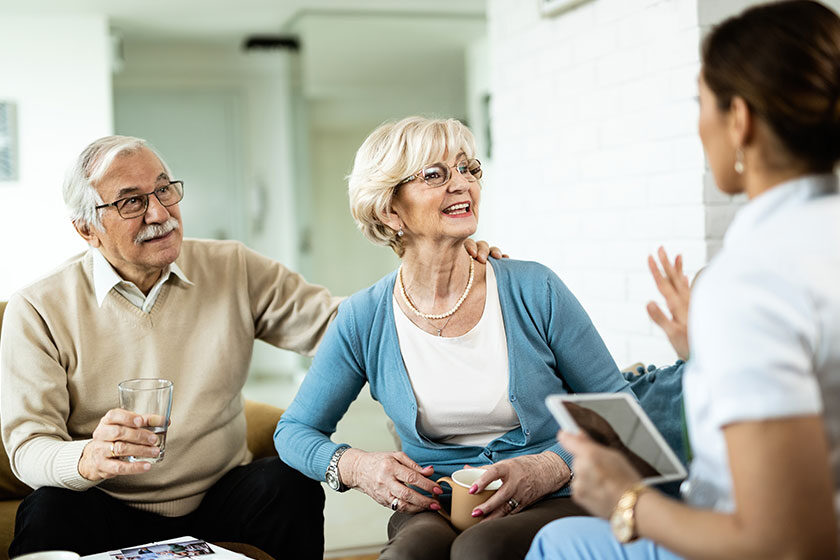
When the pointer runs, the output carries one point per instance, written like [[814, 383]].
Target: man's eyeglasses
[[438, 174], [137, 204]]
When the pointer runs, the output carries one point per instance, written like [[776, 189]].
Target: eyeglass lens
[[438, 174], [167, 195]]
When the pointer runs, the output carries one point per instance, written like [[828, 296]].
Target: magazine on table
[[172, 549]]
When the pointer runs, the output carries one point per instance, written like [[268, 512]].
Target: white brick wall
[[596, 156]]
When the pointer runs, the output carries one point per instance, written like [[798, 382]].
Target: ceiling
[[228, 20], [355, 54]]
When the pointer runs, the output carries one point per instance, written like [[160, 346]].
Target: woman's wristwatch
[[623, 518], [332, 478]]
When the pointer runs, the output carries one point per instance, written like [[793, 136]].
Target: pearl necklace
[[428, 316]]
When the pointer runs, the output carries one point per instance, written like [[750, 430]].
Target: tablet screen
[[617, 420]]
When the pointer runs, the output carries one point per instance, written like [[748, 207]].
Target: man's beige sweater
[[62, 356]]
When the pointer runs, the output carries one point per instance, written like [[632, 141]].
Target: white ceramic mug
[[49, 555]]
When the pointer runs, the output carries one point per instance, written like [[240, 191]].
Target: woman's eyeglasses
[[438, 174]]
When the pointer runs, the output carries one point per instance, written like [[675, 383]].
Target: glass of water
[[153, 399]]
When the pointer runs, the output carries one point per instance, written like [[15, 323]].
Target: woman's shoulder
[[366, 302], [523, 273]]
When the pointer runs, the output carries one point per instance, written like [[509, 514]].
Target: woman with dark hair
[[762, 386]]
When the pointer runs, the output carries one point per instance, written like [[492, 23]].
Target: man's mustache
[[152, 231]]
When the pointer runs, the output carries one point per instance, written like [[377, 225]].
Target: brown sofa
[[261, 418]]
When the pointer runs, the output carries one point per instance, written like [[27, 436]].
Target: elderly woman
[[461, 355], [762, 387]]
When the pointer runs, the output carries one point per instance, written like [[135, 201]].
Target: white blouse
[[765, 328], [460, 383]]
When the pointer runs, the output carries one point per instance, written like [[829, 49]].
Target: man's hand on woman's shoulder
[[480, 250]]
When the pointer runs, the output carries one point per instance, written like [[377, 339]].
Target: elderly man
[[142, 302]]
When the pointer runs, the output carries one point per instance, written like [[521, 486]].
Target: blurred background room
[[584, 113]]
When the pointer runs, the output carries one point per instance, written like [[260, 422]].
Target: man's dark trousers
[[266, 504]]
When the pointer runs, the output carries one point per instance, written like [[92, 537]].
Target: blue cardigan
[[552, 348]]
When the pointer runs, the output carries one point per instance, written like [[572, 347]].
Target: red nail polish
[[477, 512], [434, 507], [437, 490], [473, 489]]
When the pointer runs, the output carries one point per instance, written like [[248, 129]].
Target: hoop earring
[[739, 161]]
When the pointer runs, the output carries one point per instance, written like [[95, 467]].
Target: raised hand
[[673, 284], [387, 477], [118, 434]]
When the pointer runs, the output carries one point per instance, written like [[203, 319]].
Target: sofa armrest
[[262, 420]]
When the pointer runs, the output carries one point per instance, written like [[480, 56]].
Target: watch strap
[[332, 470], [625, 509]]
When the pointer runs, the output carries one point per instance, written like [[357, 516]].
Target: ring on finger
[[395, 503], [113, 451], [513, 504]]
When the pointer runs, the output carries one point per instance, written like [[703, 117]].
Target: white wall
[[57, 70], [597, 160], [262, 82]]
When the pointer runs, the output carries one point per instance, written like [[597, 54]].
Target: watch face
[[332, 480]]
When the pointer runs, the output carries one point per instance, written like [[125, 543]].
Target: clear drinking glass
[[153, 399]]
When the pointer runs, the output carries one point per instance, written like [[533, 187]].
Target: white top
[[764, 328], [460, 383], [105, 278]]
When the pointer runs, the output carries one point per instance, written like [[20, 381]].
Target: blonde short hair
[[391, 153]]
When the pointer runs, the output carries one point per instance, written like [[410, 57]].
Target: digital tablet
[[617, 420]]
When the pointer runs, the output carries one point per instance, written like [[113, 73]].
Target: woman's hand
[[674, 287], [525, 480], [387, 476], [602, 475]]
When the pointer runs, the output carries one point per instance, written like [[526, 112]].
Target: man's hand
[[674, 287], [481, 250], [118, 434]]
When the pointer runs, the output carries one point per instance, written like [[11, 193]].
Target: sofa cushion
[[10, 487]]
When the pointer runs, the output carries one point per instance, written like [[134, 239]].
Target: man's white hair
[[80, 194]]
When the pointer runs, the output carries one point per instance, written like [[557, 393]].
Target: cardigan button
[[512, 397]]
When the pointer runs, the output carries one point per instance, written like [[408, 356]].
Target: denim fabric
[[659, 391]]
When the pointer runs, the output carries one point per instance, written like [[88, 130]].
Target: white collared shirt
[[764, 328], [105, 278]]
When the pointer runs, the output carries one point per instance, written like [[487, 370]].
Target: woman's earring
[[739, 161], [400, 233]]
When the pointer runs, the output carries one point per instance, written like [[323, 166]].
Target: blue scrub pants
[[588, 538]]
